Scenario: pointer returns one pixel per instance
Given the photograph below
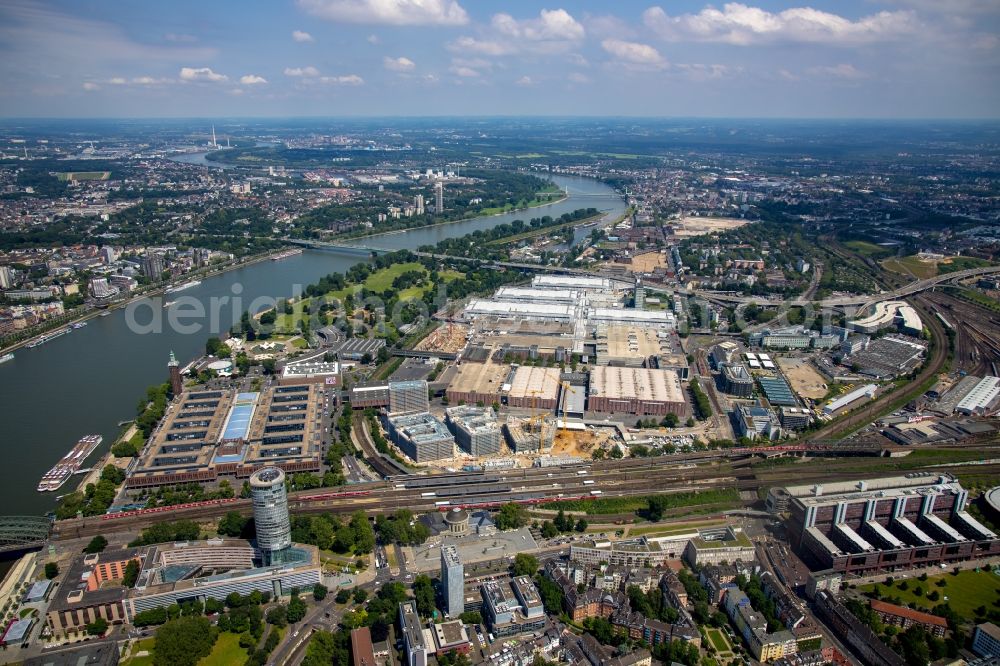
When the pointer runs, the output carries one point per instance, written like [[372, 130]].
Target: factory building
[[849, 401], [580, 283], [736, 380], [475, 428], [900, 522], [421, 437], [982, 399], [533, 387], [636, 391]]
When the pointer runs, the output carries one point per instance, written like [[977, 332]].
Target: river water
[[88, 381]]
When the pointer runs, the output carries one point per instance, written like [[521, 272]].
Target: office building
[[715, 546], [887, 523], [153, 266], [512, 606], [438, 197], [986, 640], [736, 380], [206, 435], [755, 422], [414, 643], [421, 436], [639, 552], [475, 428], [374, 395], [408, 397], [6, 277], [270, 513], [452, 581]]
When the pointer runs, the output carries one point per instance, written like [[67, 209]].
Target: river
[[88, 381]]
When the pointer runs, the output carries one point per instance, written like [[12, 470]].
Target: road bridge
[[413, 353]]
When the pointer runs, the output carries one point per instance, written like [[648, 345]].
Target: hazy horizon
[[787, 59]]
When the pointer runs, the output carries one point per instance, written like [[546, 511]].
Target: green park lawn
[[226, 651], [912, 265], [718, 640], [965, 592], [146, 645]]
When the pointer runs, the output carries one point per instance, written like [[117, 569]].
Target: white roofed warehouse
[[533, 387], [636, 391]]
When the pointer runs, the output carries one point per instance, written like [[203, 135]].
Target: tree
[[184, 641], [96, 545], [278, 615], [343, 596], [471, 617], [423, 592], [511, 516], [319, 591], [51, 570], [581, 525], [132, 570], [296, 609], [359, 595], [232, 524], [97, 627], [525, 565], [549, 530]]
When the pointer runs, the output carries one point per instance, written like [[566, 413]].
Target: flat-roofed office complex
[[206, 435], [636, 391], [475, 428], [736, 380], [421, 437], [895, 522], [407, 397]]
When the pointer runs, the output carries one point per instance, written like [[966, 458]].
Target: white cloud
[[345, 80], [524, 81], [302, 36], [608, 26], [90, 86], [137, 81], [201, 74], [301, 71], [634, 53], [741, 24], [182, 39], [841, 71], [577, 77], [554, 31], [399, 64], [373, 39], [388, 12], [252, 80], [466, 68], [701, 72]]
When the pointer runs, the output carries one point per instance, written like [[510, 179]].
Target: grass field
[[84, 175], [378, 281], [912, 265], [965, 592], [867, 249], [668, 530], [226, 651], [146, 645], [718, 639]]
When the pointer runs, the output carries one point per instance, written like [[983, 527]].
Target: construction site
[[449, 338]]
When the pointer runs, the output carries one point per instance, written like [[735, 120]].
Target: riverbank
[[95, 312]]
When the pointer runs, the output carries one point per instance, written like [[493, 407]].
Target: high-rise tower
[[270, 514], [452, 581], [174, 368], [438, 197], [214, 144]]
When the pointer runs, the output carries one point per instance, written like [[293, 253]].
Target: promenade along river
[[87, 381]]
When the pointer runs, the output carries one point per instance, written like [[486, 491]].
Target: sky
[[758, 58]]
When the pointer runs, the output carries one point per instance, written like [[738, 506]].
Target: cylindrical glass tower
[[270, 513]]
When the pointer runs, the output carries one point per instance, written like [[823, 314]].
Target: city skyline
[[859, 59]]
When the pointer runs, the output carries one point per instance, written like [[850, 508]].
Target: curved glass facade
[[270, 512]]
